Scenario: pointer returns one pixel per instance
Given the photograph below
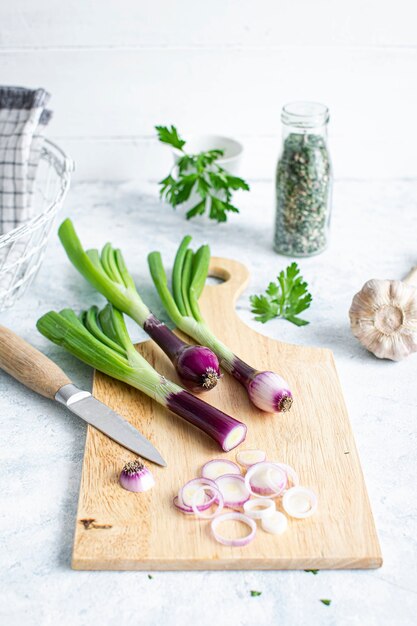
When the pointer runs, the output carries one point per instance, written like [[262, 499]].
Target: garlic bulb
[[383, 316]]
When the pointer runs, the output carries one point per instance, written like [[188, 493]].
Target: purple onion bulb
[[136, 477], [269, 392], [198, 368]]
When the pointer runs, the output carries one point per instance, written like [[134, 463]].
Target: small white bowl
[[232, 149]]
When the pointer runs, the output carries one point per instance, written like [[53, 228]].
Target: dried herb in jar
[[303, 188]]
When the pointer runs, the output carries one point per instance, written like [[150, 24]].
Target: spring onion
[[267, 390], [219, 467], [265, 480], [258, 509], [84, 339], [187, 510], [246, 458], [217, 498], [136, 477], [198, 496], [276, 523], [299, 502], [292, 476], [233, 489], [197, 366], [187, 492], [237, 517]]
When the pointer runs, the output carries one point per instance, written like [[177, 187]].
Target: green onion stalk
[[100, 339], [197, 366], [267, 390]]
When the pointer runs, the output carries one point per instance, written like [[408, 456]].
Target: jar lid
[[305, 114]]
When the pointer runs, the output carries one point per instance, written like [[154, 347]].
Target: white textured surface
[[42, 446], [226, 66], [218, 23]]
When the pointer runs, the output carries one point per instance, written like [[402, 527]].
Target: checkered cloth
[[23, 119]]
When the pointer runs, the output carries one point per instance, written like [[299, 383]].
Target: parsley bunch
[[199, 173], [286, 298]]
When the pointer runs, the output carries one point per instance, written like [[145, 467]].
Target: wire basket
[[22, 249]]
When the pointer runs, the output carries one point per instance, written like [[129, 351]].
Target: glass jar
[[303, 181]]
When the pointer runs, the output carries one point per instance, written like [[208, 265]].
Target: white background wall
[[117, 68]]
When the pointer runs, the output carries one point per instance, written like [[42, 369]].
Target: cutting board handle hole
[[216, 280], [229, 276]]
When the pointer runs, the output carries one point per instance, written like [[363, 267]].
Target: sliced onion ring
[[217, 497], [186, 499], [276, 524], [247, 458], [292, 475], [271, 480], [233, 489], [299, 502], [218, 467], [239, 517], [187, 510], [259, 508]]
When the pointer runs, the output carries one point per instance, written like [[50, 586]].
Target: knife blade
[[102, 417], [37, 372]]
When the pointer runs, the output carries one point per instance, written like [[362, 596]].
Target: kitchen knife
[[37, 372]]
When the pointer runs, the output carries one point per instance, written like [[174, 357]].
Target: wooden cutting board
[[118, 530]]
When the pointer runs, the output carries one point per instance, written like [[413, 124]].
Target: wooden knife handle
[[29, 366]]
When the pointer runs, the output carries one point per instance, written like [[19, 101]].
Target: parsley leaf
[[199, 175], [326, 602], [254, 594], [285, 299], [198, 209], [312, 571], [264, 308], [170, 136], [234, 182]]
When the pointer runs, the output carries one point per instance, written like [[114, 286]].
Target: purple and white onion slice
[[292, 476], [299, 502], [276, 524], [186, 494], [187, 510], [259, 508], [239, 517], [233, 489], [136, 477], [216, 497], [265, 480], [219, 467], [247, 458]]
